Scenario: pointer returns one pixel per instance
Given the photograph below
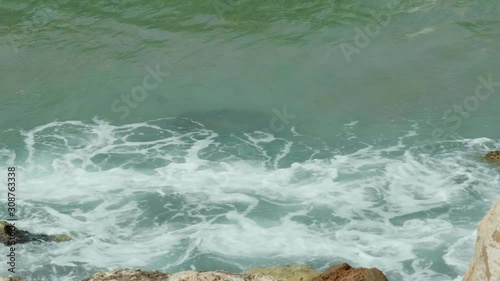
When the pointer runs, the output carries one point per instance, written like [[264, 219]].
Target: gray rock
[[191, 275], [7, 231], [287, 272], [344, 272]]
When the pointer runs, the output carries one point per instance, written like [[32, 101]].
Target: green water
[[282, 67], [71, 61]]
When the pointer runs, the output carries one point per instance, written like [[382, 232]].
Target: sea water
[[183, 135]]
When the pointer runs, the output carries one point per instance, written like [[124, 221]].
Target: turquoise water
[[236, 134]]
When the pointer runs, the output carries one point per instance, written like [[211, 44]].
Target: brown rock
[[486, 263], [344, 272], [287, 272], [190, 275], [128, 274], [493, 156], [8, 230]]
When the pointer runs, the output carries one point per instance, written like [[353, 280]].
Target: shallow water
[[177, 135]]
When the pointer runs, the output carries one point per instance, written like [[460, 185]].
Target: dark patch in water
[[227, 121]]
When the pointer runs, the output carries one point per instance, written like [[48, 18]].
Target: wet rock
[[7, 231], [493, 156], [344, 272], [191, 275], [288, 272], [12, 279], [486, 263], [128, 274]]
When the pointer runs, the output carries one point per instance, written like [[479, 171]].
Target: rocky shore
[[486, 263], [484, 267], [341, 272]]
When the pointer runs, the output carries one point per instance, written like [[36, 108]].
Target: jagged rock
[[22, 236], [128, 274], [288, 272], [344, 272], [12, 279], [486, 263], [191, 275], [493, 156]]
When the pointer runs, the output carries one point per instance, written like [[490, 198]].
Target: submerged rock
[[344, 272], [493, 156], [288, 272], [191, 275], [486, 263], [7, 231]]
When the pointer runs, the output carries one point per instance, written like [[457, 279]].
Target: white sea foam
[[171, 197]]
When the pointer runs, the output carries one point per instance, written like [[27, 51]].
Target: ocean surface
[[232, 134]]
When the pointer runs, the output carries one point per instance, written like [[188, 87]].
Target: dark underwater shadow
[[233, 121]]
